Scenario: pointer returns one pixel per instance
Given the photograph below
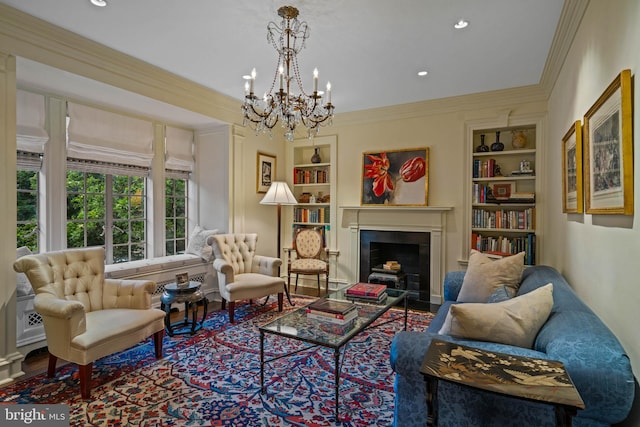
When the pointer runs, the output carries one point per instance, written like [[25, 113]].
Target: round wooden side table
[[191, 295]]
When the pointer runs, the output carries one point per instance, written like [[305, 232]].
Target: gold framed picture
[[265, 171], [608, 150], [572, 169]]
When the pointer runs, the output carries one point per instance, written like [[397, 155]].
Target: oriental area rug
[[213, 378]]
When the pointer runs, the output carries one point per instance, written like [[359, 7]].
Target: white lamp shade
[[279, 194]]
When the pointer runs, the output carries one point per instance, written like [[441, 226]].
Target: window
[[28, 204], [107, 210], [175, 215]]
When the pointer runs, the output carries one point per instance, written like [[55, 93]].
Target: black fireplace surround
[[410, 248]]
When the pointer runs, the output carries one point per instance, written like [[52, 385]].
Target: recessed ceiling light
[[461, 24], [99, 3], [423, 73]]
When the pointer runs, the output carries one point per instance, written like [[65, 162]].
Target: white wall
[[597, 253]]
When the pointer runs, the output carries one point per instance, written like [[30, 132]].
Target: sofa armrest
[[127, 293], [452, 284], [266, 265]]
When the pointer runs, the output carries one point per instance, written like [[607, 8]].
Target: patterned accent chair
[[243, 275], [86, 316], [311, 257]]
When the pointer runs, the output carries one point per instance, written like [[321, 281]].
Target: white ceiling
[[370, 50]]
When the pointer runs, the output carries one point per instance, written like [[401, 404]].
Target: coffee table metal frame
[[297, 326]]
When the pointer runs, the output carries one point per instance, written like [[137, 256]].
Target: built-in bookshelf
[[312, 165], [502, 212]]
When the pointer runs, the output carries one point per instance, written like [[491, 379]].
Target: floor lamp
[[279, 194]]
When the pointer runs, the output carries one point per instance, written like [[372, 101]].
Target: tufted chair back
[[72, 274], [238, 250], [308, 243]]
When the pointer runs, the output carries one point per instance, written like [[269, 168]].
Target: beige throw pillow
[[513, 322], [484, 275], [198, 243]]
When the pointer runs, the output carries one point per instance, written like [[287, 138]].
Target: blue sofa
[[573, 334]]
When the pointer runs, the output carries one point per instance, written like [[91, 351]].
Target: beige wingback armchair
[[243, 275], [86, 316]]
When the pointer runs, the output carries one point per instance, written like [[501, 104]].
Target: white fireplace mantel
[[431, 219]]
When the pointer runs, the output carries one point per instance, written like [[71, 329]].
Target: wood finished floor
[[36, 362]]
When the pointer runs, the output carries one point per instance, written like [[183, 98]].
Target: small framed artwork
[[265, 171], [182, 279], [395, 177], [503, 190], [608, 150], [572, 169]]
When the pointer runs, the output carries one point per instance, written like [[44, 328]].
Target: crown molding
[[568, 24], [497, 99], [29, 37]]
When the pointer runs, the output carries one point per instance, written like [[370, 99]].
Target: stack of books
[[367, 292], [332, 311]]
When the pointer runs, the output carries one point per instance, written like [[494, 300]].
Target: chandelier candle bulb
[[328, 92], [315, 80], [281, 71]]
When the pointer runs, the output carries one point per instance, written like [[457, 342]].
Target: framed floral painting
[[395, 177]]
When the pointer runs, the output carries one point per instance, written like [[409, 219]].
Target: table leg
[[432, 401], [337, 377], [286, 291], [564, 415], [406, 308], [261, 362], [194, 317], [167, 319]]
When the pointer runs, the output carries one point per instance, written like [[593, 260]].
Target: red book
[[367, 289]]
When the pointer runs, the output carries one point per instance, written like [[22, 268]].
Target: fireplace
[[396, 220], [409, 248]]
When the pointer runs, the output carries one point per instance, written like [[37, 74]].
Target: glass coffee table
[[295, 325]]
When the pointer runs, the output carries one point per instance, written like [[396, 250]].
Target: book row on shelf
[[316, 215], [311, 176], [504, 218], [484, 168], [482, 194], [505, 246]]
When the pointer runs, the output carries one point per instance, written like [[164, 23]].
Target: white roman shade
[[179, 149], [102, 136], [30, 119]]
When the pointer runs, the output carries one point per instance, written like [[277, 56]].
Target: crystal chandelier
[[291, 109]]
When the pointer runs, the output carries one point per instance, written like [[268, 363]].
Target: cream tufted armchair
[[86, 316], [242, 274]]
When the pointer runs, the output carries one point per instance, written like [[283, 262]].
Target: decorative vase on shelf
[[482, 148], [316, 156], [518, 139], [497, 146]]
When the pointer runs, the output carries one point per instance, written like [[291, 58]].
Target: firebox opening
[[410, 249]]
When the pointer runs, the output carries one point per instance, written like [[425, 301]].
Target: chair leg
[[318, 277], [85, 380], [51, 370], [326, 282], [280, 300], [232, 307], [223, 303], [157, 343], [296, 288]]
